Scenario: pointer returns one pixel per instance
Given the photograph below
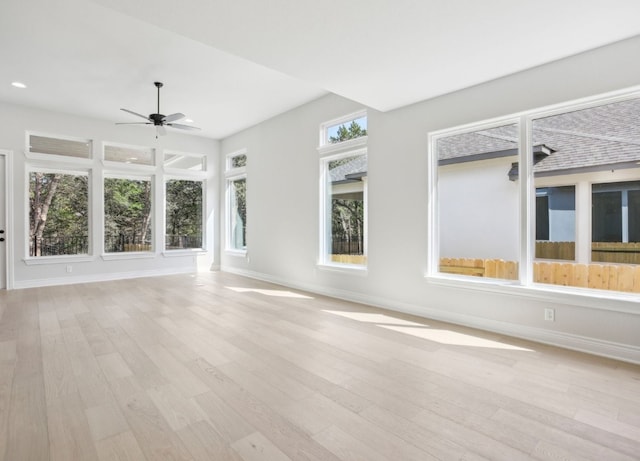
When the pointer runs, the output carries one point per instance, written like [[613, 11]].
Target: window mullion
[[527, 204]]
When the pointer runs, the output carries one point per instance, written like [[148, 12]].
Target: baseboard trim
[[618, 351], [102, 277]]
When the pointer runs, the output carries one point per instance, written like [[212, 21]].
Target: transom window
[[343, 129]]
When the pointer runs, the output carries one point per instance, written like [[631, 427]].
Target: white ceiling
[[231, 64]]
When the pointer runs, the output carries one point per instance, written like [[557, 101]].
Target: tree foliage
[[184, 213], [127, 209], [344, 133], [58, 213]]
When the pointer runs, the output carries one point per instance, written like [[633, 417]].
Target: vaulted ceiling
[[231, 64]]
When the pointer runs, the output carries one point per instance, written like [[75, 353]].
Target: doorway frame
[[8, 216]]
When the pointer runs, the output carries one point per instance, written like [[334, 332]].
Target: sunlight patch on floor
[[375, 318], [422, 330], [275, 293], [453, 338]]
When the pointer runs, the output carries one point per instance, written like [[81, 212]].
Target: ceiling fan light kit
[[159, 120]]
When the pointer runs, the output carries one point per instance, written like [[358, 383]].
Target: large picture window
[[183, 214], [582, 178], [58, 213], [127, 214]]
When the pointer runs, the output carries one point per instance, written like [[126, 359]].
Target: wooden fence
[[599, 276], [606, 252]]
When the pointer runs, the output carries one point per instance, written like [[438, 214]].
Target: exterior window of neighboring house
[[128, 214], [555, 222], [583, 165], [58, 213], [344, 167], [478, 203], [236, 201], [183, 214]]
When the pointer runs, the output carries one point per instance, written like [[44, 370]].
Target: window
[[237, 229], [581, 175], [183, 214], [58, 213], [343, 191], [58, 146], [127, 214], [184, 162], [343, 129], [236, 201], [478, 224], [129, 155]]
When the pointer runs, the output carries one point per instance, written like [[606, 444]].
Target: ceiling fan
[[159, 120]]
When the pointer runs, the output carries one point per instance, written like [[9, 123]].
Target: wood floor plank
[[256, 447], [214, 366], [120, 447]]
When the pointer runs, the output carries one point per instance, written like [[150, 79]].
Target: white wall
[[282, 202], [16, 120], [479, 210]]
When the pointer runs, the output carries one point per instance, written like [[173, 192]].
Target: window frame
[[524, 286], [324, 129], [184, 251], [230, 175], [324, 256], [49, 168], [110, 256]]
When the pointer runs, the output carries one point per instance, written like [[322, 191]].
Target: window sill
[[236, 253], [343, 268], [128, 255], [183, 252], [583, 297], [35, 261]]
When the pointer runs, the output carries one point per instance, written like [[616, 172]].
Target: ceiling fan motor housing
[[157, 119]]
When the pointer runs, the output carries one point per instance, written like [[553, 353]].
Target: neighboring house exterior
[[586, 174]]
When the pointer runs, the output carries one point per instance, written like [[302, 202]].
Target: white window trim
[[585, 297]]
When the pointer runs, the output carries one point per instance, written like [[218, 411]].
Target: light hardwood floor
[[218, 367]]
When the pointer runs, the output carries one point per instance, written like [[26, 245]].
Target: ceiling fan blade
[[135, 113], [134, 123], [172, 117], [183, 127], [162, 131]]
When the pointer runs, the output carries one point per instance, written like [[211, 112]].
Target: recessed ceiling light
[[18, 84], [188, 120]]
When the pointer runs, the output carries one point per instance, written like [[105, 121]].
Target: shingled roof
[[352, 169], [590, 139]]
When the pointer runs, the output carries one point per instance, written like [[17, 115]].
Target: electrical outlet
[[69, 269], [550, 315]]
